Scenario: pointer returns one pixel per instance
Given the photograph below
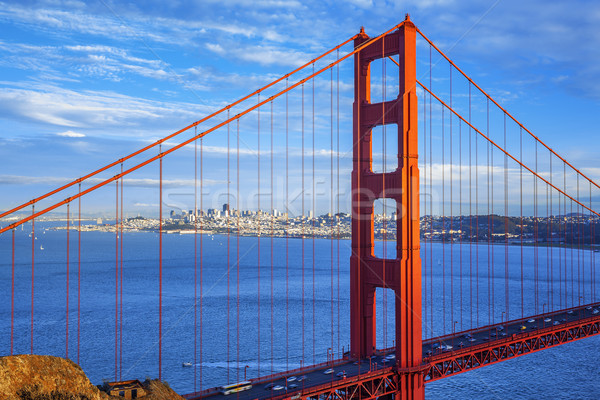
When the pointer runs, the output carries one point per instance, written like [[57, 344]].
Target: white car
[[531, 321], [329, 371], [547, 319], [278, 387], [595, 311], [291, 379]]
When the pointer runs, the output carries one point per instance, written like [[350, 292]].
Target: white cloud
[[215, 48], [110, 111], [127, 182], [262, 54], [362, 3], [71, 134]]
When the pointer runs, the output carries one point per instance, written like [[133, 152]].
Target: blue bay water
[[284, 307]]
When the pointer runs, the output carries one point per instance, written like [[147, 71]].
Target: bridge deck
[[442, 356]]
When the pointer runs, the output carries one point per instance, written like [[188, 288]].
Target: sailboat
[[42, 247]]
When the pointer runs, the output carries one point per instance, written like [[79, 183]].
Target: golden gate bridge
[[494, 236]]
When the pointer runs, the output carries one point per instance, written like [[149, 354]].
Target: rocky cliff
[[33, 377]]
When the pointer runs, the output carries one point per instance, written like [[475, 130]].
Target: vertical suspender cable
[[338, 194], [32, 274], [287, 235], [535, 234], [12, 297], [566, 228], [67, 298], [78, 274], [116, 279], [592, 275], [476, 215], [470, 218], [572, 220], [258, 238], [489, 222], [121, 287], [579, 273], [226, 210], [196, 217], [592, 256], [521, 208], [303, 195], [491, 225], [552, 225], [332, 212], [201, 260], [451, 213], [237, 247], [272, 233], [580, 253], [287, 210], [460, 236], [443, 332], [430, 191], [549, 251], [506, 294], [383, 155], [559, 228], [160, 266], [314, 212]]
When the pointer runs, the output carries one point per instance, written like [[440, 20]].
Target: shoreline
[[512, 243]]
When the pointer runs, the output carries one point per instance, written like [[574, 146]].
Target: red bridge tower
[[402, 274]]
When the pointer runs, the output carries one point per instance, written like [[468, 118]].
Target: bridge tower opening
[[403, 273]]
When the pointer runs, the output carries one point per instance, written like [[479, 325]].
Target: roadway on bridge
[[295, 381]]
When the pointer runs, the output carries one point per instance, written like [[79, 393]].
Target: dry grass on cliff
[[33, 377]]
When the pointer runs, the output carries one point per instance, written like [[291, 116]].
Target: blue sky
[[84, 83]]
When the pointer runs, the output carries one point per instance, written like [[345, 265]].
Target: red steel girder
[[364, 387], [455, 362]]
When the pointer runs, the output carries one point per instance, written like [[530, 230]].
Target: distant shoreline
[[167, 231]]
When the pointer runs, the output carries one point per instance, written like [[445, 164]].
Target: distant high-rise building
[[225, 207], [172, 213]]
